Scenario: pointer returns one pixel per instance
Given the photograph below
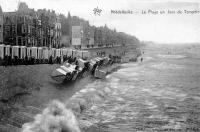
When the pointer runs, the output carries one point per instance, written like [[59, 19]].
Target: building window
[[29, 40], [24, 41], [29, 29]]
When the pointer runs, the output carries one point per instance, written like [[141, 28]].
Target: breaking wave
[[55, 118], [148, 58], [171, 56], [61, 117], [165, 65]]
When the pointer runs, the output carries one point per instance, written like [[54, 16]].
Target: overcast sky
[[161, 28]]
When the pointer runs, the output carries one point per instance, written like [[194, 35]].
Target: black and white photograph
[[99, 66]]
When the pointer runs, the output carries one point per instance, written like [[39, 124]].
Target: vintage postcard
[[99, 65]]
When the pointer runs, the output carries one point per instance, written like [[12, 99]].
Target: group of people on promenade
[[9, 60]]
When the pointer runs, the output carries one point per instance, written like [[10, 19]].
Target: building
[[45, 28], [1, 26], [47, 24], [97, 37], [58, 34], [66, 41], [91, 36], [77, 36], [66, 30], [28, 27], [80, 33], [85, 34], [10, 28]]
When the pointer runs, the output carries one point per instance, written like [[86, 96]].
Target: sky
[[162, 28]]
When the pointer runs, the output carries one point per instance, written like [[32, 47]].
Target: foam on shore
[[55, 118]]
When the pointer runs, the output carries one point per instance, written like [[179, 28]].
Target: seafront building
[[45, 28], [58, 34], [1, 26], [27, 27]]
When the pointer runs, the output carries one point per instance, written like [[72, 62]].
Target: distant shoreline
[[181, 43]]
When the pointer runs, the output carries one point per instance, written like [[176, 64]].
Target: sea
[[159, 94]]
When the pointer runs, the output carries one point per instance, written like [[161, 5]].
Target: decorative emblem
[[97, 11]]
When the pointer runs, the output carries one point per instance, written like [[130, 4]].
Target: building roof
[[9, 17]]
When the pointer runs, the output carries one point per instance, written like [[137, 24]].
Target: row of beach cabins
[[22, 55]]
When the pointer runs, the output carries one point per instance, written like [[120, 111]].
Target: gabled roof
[[9, 17]]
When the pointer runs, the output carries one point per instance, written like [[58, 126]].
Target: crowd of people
[[9, 61]]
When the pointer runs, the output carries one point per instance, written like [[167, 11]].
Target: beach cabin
[[2, 51], [7, 50], [63, 54], [82, 62], [79, 54], [64, 51], [50, 53], [125, 59], [53, 52], [23, 52], [40, 53], [45, 53], [29, 52], [69, 52], [34, 52], [57, 53], [99, 74], [74, 53], [86, 55], [15, 51]]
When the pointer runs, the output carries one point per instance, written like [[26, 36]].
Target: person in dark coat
[[26, 60], [50, 60], [74, 60], [94, 68], [5, 61]]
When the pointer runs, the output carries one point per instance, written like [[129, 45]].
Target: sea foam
[[55, 118]]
